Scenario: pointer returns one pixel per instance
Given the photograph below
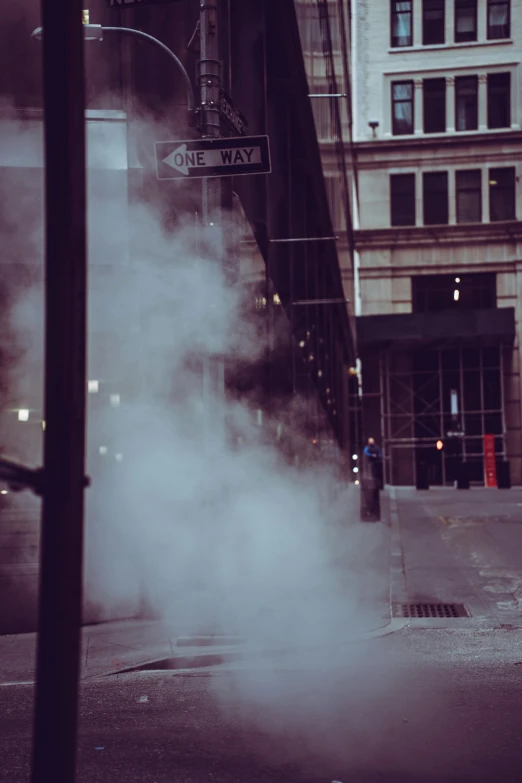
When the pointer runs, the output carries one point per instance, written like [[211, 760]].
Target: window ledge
[[444, 234], [445, 134], [444, 46]]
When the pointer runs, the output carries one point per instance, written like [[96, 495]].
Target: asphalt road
[[419, 705]]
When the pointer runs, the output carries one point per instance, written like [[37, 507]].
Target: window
[[465, 20], [435, 197], [433, 22], [498, 19], [401, 23], [433, 293], [469, 196], [402, 108], [434, 95], [402, 199], [499, 100], [502, 194], [466, 103]]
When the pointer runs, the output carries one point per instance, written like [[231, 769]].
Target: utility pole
[[210, 87], [61, 576]]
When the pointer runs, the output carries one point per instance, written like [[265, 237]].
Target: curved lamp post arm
[[94, 32], [145, 36]]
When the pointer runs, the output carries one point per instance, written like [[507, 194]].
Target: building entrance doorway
[[453, 395]]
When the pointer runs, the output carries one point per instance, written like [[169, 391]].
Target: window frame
[[478, 292], [460, 4], [443, 176], [459, 175], [394, 198], [491, 4], [459, 80], [393, 84], [393, 14], [442, 80], [491, 77], [492, 174], [442, 5]]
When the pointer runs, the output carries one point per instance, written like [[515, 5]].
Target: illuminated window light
[[457, 279], [277, 300], [302, 344], [4, 492], [115, 400], [43, 425], [456, 294], [23, 414], [320, 374], [493, 182], [328, 391], [311, 358], [103, 449], [93, 387]]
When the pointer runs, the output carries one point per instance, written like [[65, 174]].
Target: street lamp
[[94, 32]]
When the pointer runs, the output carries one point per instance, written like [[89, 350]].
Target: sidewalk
[[109, 648], [462, 546], [120, 645]]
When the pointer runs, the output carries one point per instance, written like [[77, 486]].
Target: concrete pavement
[[461, 546], [421, 706], [440, 545]]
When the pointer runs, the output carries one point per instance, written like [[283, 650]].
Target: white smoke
[[194, 512]]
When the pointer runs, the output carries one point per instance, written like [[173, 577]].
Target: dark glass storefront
[[435, 376]]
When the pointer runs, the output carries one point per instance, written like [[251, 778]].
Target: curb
[[397, 573]]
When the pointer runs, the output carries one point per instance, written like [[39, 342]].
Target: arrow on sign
[[182, 160], [177, 159]]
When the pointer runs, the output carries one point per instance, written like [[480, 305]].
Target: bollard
[[422, 481], [503, 475], [462, 476], [370, 500]]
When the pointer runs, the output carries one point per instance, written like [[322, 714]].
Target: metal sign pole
[[59, 635], [210, 86]]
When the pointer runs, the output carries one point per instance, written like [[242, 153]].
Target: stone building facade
[[437, 129]]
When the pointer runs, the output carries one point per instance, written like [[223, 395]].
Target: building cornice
[[399, 144], [421, 236]]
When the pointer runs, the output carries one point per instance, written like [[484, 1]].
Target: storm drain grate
[[431, 610]]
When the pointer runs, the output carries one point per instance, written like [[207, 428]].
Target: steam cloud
[[211, 536]]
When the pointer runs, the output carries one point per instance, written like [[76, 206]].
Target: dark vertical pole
[[59, 637]]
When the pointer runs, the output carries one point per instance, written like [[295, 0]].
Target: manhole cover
[[430, 610]]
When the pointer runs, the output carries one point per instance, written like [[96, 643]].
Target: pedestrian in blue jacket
[[373, 458]]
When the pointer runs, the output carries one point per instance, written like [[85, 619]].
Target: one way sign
[[212, 157]]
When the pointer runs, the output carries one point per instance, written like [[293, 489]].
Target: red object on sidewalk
[[490, 463]]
